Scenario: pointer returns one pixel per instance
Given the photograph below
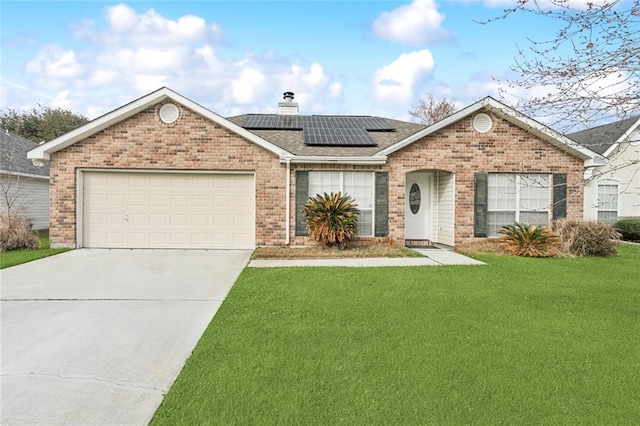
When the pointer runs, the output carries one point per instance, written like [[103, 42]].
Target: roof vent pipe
[[288, 107]]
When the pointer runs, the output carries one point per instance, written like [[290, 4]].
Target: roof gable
[[13, 156], [501, 110], [603, 139], [44, 151]]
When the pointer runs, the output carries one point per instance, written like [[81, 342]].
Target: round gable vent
[[169, 113], [482, 122]]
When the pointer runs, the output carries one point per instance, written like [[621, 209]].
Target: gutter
[[21, 174], [317, 159]]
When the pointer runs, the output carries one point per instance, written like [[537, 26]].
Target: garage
[[181, 210]]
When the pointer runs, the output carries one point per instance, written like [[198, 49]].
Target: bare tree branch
[[429, 110], [589, 71]]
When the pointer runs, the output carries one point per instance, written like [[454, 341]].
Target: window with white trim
[[358, 185], [517, 198], [608, 203]]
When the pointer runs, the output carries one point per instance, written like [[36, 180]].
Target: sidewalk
[[433, 257]]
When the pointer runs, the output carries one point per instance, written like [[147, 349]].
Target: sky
[[236, 57]]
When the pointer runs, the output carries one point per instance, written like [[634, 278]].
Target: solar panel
[[327, 130], [336, 130], [374, 123], [273, 122]]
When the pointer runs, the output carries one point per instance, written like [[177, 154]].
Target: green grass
[[16, 257], [519, 341]]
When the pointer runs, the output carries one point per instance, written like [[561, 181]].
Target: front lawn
[[533, 341], [16, 257]]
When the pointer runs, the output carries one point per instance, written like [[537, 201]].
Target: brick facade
[[144, 142], [460, 150], [195, 143]]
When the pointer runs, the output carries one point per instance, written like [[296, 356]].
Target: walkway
[[433, 257]]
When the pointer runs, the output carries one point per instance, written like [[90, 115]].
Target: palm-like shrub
[[522, 239], [332, 219]]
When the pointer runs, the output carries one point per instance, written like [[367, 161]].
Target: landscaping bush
[[332, 219], [526, 240], [16, 232], [587, 238], [629, 228]]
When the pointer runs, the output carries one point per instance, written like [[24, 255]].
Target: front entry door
[[417, 208]]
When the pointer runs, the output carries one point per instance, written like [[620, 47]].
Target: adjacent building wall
[[623, 169], [31, 197]]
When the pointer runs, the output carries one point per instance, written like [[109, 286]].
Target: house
[[24, 185], [165, 172], [613, 190]]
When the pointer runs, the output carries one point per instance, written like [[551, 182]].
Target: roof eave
[[22, 174], [44, 151], [622, 138], [502, 110], [319, 159]]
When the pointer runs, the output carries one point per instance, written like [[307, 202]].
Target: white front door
[[417, 207]]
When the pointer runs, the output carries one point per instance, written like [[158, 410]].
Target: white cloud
[[55, 63], [248, 85], [135, 53], [416, 23], [151, 28], [397, 82]]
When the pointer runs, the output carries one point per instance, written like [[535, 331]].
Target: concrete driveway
[[98, 336]]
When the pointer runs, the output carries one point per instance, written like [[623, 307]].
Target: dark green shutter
[[480, 205], [382, 204], [559, 195], [302, 195]]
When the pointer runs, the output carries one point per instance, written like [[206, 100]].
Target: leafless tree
[[589, 72], [429, 110]]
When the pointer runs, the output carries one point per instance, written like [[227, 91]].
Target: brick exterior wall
[[191, 143], [195, 143], [461, 150]]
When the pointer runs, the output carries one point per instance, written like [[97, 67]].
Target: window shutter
[[559, 195], [382, 204], [302, 195], [480, 205]]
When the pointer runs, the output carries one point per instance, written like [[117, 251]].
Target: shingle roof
[[13, 155], [601, 138], [293, 140]]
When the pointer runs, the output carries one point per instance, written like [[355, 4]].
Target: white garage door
[[168, 210]]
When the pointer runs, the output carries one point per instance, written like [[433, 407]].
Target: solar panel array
[[323, 129], [273, 122]]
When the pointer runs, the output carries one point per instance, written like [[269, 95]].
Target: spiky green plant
[[527, 240], [331, 219]]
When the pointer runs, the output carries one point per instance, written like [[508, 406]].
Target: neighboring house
[[24, 186], [165, 172], [613, 191]]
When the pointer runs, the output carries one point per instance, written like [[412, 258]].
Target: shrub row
[[629, 228], [567, 236]]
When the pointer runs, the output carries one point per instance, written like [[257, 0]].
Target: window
[[359, 185], [517, 198], [608, 203]]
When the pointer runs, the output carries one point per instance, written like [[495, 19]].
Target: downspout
[[287, 202]]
